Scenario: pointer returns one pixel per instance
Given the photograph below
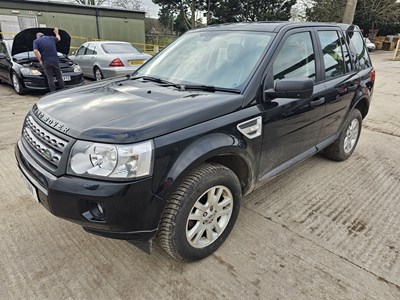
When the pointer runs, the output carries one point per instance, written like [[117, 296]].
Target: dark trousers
[[51, 70]]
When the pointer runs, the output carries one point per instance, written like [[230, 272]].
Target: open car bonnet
[[23, 41]]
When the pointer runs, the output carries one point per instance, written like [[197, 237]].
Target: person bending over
[[45, 51]]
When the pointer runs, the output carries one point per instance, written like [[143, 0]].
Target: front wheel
[[17, 84], [344, 146], [200, 213]]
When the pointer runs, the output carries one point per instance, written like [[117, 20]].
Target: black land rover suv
[[171, 149]]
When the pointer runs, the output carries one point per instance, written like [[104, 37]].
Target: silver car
[[101, 60]]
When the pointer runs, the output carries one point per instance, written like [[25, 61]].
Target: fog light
[[100, 208], [97, 210]]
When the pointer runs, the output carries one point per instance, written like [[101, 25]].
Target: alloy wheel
[[351, 136], [209, 216], [16, 84], [98, 75]]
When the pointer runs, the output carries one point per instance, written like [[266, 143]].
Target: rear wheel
[[98, 75], [17, 84], [344, 146], [200, 213]]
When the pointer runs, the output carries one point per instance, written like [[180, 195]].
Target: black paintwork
[[188, 128]]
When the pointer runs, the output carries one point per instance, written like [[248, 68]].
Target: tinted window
[[362, 52], [91, 49], [296, 58], [119, 48], [333, 55]]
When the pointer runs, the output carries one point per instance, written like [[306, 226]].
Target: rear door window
[[296, 58], [334, 59], [91, 49]]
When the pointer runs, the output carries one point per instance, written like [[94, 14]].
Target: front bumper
[[40, 82], [131, 211]]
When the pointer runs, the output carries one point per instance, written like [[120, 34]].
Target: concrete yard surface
[[323, 230]]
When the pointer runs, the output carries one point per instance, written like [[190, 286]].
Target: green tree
[[226, 11], [251, 10], [370, 14], [185, 8], [166, 18], [373, 14], [326, 11]]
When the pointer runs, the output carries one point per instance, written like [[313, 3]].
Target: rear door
[[340, 78], [291, 126]]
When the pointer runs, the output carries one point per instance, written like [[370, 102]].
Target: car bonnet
[[23, 41]]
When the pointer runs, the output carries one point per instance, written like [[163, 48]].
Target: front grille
[[47, 145]]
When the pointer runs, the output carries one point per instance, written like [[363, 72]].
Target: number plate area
[[65, 78], [136, 62], [31, 188]]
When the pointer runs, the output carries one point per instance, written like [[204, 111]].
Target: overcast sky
[[151, 8]]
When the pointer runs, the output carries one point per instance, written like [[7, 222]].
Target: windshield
[[216, 58], [119, 48]]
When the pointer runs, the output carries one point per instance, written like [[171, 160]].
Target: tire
[[17, 84], [192, 218], [98, 75], [344, 146]]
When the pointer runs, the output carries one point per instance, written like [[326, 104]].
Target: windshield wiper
[[210, 88], [161, 81]]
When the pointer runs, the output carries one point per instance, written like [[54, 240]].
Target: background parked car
[[370, 45], [20, 68], [101, 60]]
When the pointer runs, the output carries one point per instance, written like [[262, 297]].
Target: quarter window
[[361, 50], [296, 58], [332, 52]]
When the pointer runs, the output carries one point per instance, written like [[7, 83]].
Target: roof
[[272, 26]]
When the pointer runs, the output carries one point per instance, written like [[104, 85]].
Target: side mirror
[[3, 56], [302, 88]]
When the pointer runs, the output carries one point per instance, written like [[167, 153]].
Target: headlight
[[113, 161], [77, 69], [29, 71]]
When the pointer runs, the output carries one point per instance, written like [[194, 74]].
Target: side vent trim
[[251, 128]]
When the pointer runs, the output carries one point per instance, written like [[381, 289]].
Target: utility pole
[[349, 11]]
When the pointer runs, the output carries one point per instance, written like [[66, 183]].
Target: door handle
[[317, 101]]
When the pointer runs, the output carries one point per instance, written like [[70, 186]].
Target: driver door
[[291, 126]]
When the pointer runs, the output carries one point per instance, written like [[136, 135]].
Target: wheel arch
[[218, 148], [363, 106]]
